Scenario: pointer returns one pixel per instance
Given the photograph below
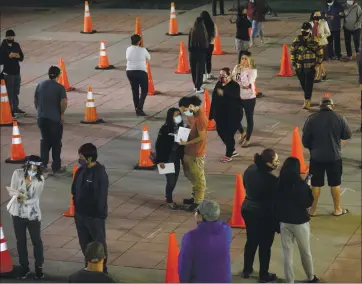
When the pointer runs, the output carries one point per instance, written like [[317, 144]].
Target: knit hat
[[326, 101], [306, 26], [209, 210], [9, 33]]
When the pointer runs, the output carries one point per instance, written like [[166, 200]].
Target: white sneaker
[[194, 89], [204, 78], [201, 91], [210, 76], [251, 43]]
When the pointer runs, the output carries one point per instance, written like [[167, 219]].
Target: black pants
[[197, 63], [306, 79], [171, 179], [227, 135], [137, 79], [33, 226], [221, 3], [51, 139], [13, 89], [259, 233], [248, 107], [334, 44], [90, 230], [356, 35], [209, 59]]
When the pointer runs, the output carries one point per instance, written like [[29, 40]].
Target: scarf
[[315, 29]]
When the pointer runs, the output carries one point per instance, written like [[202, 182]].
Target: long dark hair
[[289, 173], [198, 34], [169, 118], [261, 160], [209, 24], [30, 161]]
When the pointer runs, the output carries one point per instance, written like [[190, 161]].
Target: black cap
[[306, 26], [9, 33], [326, 101]]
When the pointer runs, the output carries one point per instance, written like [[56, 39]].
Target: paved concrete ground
[[138, 225]]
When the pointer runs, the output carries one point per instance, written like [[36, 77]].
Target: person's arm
[[185, 260], [147, 54], [234, 91], [213, 103], [201, 126], [36, 95], [307, 134], [304, 195], [161, 154], [63, 102], [14, 184], [327, 31], [346, 131], [293, 50], [102, 199], [38, 191], [319, 53], [359, 17], [20, 55]]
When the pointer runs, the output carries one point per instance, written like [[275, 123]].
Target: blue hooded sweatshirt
[[205, 254], [336, 11]]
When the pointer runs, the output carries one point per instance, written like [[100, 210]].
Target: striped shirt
[[306, 53]]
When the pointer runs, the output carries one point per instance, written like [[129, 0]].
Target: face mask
[[178, 119], [221, 79], [188, 113], [305, 33], [31, 173], [10, 41], [82, 162], [350, 2], [316, 18], [330, 3]]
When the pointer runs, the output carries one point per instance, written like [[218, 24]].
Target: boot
[[306, 104]]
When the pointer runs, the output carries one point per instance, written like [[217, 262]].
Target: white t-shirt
[[246, 77], [136, 58]]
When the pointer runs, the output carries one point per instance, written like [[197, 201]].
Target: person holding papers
[[225, 109], [168, 151]]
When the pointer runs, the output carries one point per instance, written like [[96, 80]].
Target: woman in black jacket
[[168, 151], [225, 110], [258, 213], [210, 28], [293, 198]]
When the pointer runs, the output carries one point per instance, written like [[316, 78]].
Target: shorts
[[333, 169], [241, 45]]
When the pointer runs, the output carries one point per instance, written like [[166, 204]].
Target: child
[[242, 37]]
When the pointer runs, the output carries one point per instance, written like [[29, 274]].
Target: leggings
[[209, 59], [248, 106]]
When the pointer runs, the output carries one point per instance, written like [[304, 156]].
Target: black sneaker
[[314, 280], [60, 171], [271, 277], [173, 206], [246, 274], [19, 111], [39, 273], [317, 81], [324, 78], [188, 201], [24, 273], [140, 112], [193, 207]]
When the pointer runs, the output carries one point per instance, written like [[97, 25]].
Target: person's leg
[[84, 236], [21, 243], [17, 83], [318, 74], [309, 83], [135, 87], [317, 170], [334, 177], [209, 61], [214, 7], [287, 240], [301, 77], [9, 82], [348, 42], [193, 66], [56, 131], [45, 140], [249, 114], [337, 44], [330, 47], [198, 171], [230, 141], [254, 32], [357, 40], [302, 236], [97, 230], [143, 81], [35, 236], [265, 245], [187, 164], [261, 32], [222, 12], [171, 179], [200, 70]]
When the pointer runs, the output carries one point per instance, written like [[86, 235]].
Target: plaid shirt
[[306, 53]]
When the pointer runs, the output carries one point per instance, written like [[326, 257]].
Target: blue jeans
[[257, 29]]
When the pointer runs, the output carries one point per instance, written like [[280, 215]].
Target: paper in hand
[[182, 134], [169, 169]]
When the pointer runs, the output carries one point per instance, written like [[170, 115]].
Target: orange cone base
[[105, 68], [153, 93], [211, 128], [10, 161], [241, 226], [99, 120], [150, 168], [92, 32], [6, 124], [219, 53], [70, 89], [185, 72], [285, 75], [69, 213], [178, 34]]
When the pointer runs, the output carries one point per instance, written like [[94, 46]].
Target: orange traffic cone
[[91, 116], [285, 65], [6, 264], [173, 29], [237, 221], [6, 118], [103, 62], [17, 149], [145, 162], [70, 211], [63, 78], [207, 105], [151, 86], [217, 44], [138, 29], [88, 28], [172, 260], [183, 64], [297, 150], [327, 95]]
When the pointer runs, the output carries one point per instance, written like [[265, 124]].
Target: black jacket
[[90, 191], [198, 46], [165, 144], [292, 203], [225, 109], [11, 65], [242, 28]]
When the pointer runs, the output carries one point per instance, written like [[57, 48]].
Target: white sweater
[[136, 58], [245, 77]]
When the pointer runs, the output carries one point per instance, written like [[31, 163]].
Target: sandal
[[344, 212], [245, 144], [225, 159], [242, 138]]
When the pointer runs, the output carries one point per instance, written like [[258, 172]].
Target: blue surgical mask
[[188, 113], [82, 162], [178, 119], [31, 173]]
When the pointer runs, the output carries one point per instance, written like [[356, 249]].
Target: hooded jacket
[[205, 254], [353, 17], [11, 65]]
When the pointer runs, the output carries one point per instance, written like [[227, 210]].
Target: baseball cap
[[209, 210], [306, 26], [325, 101], [10, 33]]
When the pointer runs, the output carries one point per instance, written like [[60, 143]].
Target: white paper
[[169, 169], [182, 134]]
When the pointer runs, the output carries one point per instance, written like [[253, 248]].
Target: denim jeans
[[194, 169], [257, 29]]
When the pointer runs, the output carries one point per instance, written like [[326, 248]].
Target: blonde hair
[[250, 60]]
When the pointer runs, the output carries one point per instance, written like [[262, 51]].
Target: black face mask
[[305, 33], [316, 18], [9, 40]]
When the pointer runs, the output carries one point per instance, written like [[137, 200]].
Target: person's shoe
[[24, 273], [235, 154], [246, 274], [271, 277], [324, 78], [19, 111], [193, 207], [188, 201], [200, 91], [242, 138], [333, 58], [314, 280], [59, 171], [226, 159], [306, 104], [317, 81], [173, 206], [245, 144], [39, 273], [210, 76], [142, 113]]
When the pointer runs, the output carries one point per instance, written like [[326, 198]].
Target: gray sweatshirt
[[353, 17]]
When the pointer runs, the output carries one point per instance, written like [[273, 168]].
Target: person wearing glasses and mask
[[26, 186], [168, 151], [258, 213]]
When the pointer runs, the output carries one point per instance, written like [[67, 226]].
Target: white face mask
[[330, 4], [31, 173], [178, 119], [350, 3], [188, 113]]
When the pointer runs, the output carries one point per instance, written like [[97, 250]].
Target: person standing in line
[[90, 193], [352, 27], [168, 151], [334, 13], [242, 37], [214, 4], [360, 81], [198, 47], [258, 213], [225, 109], [293, 198], [136, 70], [306, 55], [258, 12], [205, 251], [320, 30], [245, 75], [210, 29], [26, 186], [10, 56], [51, 101], [195, 149], [323, 134]]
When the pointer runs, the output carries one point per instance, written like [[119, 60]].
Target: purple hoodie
[[205, 254]]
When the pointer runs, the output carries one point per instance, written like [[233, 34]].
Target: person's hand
[[182, 143], [360, 85], [16, 55], [21, 199], [162, 165], [245, 87], [11, 55], [220, 92], [62, 118]]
